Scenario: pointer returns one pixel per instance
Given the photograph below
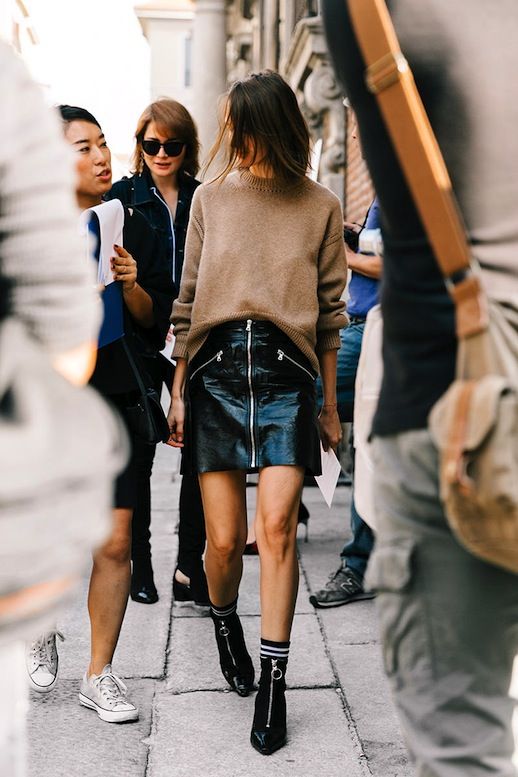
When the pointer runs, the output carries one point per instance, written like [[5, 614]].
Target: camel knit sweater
[[263, 250]]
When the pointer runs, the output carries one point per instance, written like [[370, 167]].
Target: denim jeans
[[449, 622], [355, 553], [346, 367]]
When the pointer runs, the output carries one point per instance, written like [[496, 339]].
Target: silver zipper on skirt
[[216, 357], [281, 355], [251, 391]]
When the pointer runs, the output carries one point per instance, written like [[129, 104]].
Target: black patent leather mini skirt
[[251, 402]]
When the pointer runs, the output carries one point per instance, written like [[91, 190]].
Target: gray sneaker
[[106, 694], [343, 587], [42, 661]]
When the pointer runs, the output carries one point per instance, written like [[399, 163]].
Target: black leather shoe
[[195, 592], [269, 727], [234, 659], [143, 587], [144, 593]]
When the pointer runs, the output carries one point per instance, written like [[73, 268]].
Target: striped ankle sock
[[271, 649], [225, 611]]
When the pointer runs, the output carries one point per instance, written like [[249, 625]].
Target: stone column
[[323, 106], [270, 45], [209, 67]]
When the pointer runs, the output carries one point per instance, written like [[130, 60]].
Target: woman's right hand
[[175, 419]]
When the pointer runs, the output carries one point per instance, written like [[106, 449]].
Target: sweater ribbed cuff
[[329, 340], [180, 350]]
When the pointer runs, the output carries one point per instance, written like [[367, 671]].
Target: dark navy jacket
[[140, 192]]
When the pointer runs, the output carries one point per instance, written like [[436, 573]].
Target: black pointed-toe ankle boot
[[269, 726], [234, 658]]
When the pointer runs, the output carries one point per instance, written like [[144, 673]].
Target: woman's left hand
[[330, 428], [124, 268]]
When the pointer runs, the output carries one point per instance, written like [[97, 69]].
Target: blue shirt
[[363, 291]]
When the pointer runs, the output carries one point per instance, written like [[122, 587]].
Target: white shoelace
[[44, 649], [111, 687]]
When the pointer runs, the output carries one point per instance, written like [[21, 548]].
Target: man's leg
[[345, 585], [449, 622], [356, 553]]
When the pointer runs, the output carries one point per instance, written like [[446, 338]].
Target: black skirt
[[251, 402]]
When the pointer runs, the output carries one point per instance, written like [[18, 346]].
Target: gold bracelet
[[334, 404]]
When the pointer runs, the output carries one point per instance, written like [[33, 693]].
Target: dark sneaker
[[343, 587]]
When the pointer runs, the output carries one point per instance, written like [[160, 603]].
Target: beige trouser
[[13, 708], [449, 622]]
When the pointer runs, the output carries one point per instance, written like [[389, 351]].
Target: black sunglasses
[[171, 147]]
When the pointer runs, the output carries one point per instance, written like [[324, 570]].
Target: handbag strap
[[389, 78], [134, 368]]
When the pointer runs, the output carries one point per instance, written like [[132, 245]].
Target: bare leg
[[278, 498], [224, 505], [109, 590]]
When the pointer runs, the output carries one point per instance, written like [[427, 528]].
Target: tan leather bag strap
[[389, 77]]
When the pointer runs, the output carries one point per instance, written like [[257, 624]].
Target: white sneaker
[[42, 661], [106, 694]]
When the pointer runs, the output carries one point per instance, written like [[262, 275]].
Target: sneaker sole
[[326, 605], [107, 715]]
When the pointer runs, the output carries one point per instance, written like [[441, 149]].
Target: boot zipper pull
[[276, 672], [219, 355], [280, 355], [249, 325], [223, 630]]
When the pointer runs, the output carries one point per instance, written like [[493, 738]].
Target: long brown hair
[[173, 120], [261, 114]]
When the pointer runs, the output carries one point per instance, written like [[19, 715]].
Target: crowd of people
[[250, 267], [260, 417]]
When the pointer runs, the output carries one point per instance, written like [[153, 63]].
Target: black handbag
[[145, 415]]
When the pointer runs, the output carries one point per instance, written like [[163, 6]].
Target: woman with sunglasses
[[256, 320], [165, 162]]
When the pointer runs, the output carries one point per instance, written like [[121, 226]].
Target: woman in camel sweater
[[257, 318]]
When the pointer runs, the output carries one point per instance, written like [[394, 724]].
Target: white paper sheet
[[169, 345], [111, 223], [330, 473]]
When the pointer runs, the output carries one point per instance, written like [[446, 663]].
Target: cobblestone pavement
[[340, 717]]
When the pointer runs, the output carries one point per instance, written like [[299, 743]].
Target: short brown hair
[[262, 110], [171, 119]]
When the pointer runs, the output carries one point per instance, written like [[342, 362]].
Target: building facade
[[168, 28], [199, 47], [288, 36]]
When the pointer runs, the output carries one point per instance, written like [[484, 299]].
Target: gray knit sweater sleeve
[[41, 254]]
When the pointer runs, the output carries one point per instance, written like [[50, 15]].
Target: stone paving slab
[[193, 659], [68, 740], [350, 733], [368, 697], [208, 734]]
